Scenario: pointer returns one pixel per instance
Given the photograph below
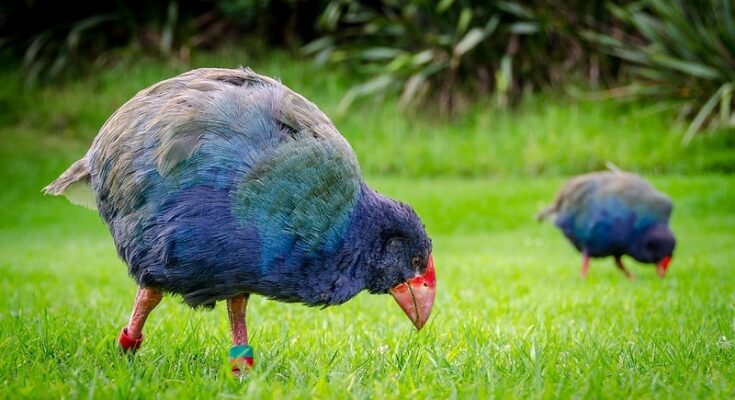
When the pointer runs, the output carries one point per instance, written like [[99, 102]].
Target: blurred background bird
[[221, 183], [614, 213]]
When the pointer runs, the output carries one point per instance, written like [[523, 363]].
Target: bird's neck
[[351, 264]]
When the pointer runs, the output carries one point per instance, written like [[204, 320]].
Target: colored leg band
[[241, 355], [127, 343]]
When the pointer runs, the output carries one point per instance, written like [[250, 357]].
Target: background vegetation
[[542, 135], [448, 54], [474, 113]]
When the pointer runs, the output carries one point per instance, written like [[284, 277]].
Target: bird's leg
[[241, 354], [585, 265], [621, 267], [131, 336]]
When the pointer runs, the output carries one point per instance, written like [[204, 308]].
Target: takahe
[[221, 183], [613, 213]]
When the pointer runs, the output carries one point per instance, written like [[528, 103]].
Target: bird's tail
[[551, 209], [546, 212], [75, 185]]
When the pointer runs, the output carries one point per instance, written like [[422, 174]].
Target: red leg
[[241, 354], [131, 336], [585, 265], [621, 267]]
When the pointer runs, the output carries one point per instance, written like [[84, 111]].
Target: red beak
[[663, 266], [416, 296]]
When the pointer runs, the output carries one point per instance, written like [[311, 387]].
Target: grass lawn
[[512, 318]]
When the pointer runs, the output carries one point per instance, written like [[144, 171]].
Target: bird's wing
[[300, 200], [640, 197]]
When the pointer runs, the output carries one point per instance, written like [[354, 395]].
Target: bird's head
[[656, 246], [402, 265]]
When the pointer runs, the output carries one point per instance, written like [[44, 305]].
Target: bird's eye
[[416, 262]]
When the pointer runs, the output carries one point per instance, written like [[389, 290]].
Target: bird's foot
[[241, 358], [127, 343]]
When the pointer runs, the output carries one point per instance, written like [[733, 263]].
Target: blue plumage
[[613, 214], [222, 182]]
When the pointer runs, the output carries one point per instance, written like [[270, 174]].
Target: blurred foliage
[[449, 50], [443, 54], [52, 37], [544, 134], [684, 52], [288, 23]]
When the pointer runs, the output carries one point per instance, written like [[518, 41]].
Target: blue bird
[[220, 183], [614, 213]]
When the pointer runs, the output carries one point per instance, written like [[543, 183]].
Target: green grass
[[512, 318]]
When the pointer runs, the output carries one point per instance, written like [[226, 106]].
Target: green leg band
[[241, 356], [241, 350]]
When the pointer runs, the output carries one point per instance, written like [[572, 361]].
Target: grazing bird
[[613, 213], [221, 183]]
